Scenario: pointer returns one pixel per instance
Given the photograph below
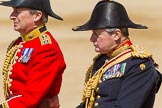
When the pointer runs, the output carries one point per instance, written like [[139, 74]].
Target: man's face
[[23, 20], [103, 41]]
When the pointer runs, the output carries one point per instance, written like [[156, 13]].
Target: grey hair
[[44, 16], [124, 31], [111, 30]]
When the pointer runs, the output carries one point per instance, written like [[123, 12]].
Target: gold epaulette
[[45, 39], [140, 52]]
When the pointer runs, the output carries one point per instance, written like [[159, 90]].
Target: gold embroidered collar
[[122, 47], [34, 33]]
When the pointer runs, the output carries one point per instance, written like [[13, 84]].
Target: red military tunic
[[32, 70]]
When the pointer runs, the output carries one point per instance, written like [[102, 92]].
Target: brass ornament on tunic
[[142, 66]]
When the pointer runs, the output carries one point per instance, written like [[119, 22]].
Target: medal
[[26, 54]]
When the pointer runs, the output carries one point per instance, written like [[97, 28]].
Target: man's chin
[[16, 29], [97, 51]]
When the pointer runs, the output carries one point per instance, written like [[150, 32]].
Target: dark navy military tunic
[[136, 88]]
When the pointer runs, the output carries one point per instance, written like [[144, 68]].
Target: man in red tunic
[[34, 63]]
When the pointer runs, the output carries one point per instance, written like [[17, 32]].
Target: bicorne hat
[[42, 5], [108, 14]]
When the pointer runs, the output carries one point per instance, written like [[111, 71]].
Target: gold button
[[31, 36], [97, 89], [11, 93], [98, 97], [9, 72], [9, 85], [96, 104], [16, 57], [100, 81], [10, 80], [142, 66]]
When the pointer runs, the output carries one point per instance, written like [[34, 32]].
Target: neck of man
[[31, 28], [122, 45]]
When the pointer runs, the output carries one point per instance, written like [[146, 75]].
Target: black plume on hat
[[42, 5], [108, 14]]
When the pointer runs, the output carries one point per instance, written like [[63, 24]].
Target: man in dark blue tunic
[[123, 75]]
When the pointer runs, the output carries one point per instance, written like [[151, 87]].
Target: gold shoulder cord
[[88, 73], [140, 52], [11, 50], [91, 83]]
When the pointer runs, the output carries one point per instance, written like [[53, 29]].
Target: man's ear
[[117, 34], [38, 16]]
